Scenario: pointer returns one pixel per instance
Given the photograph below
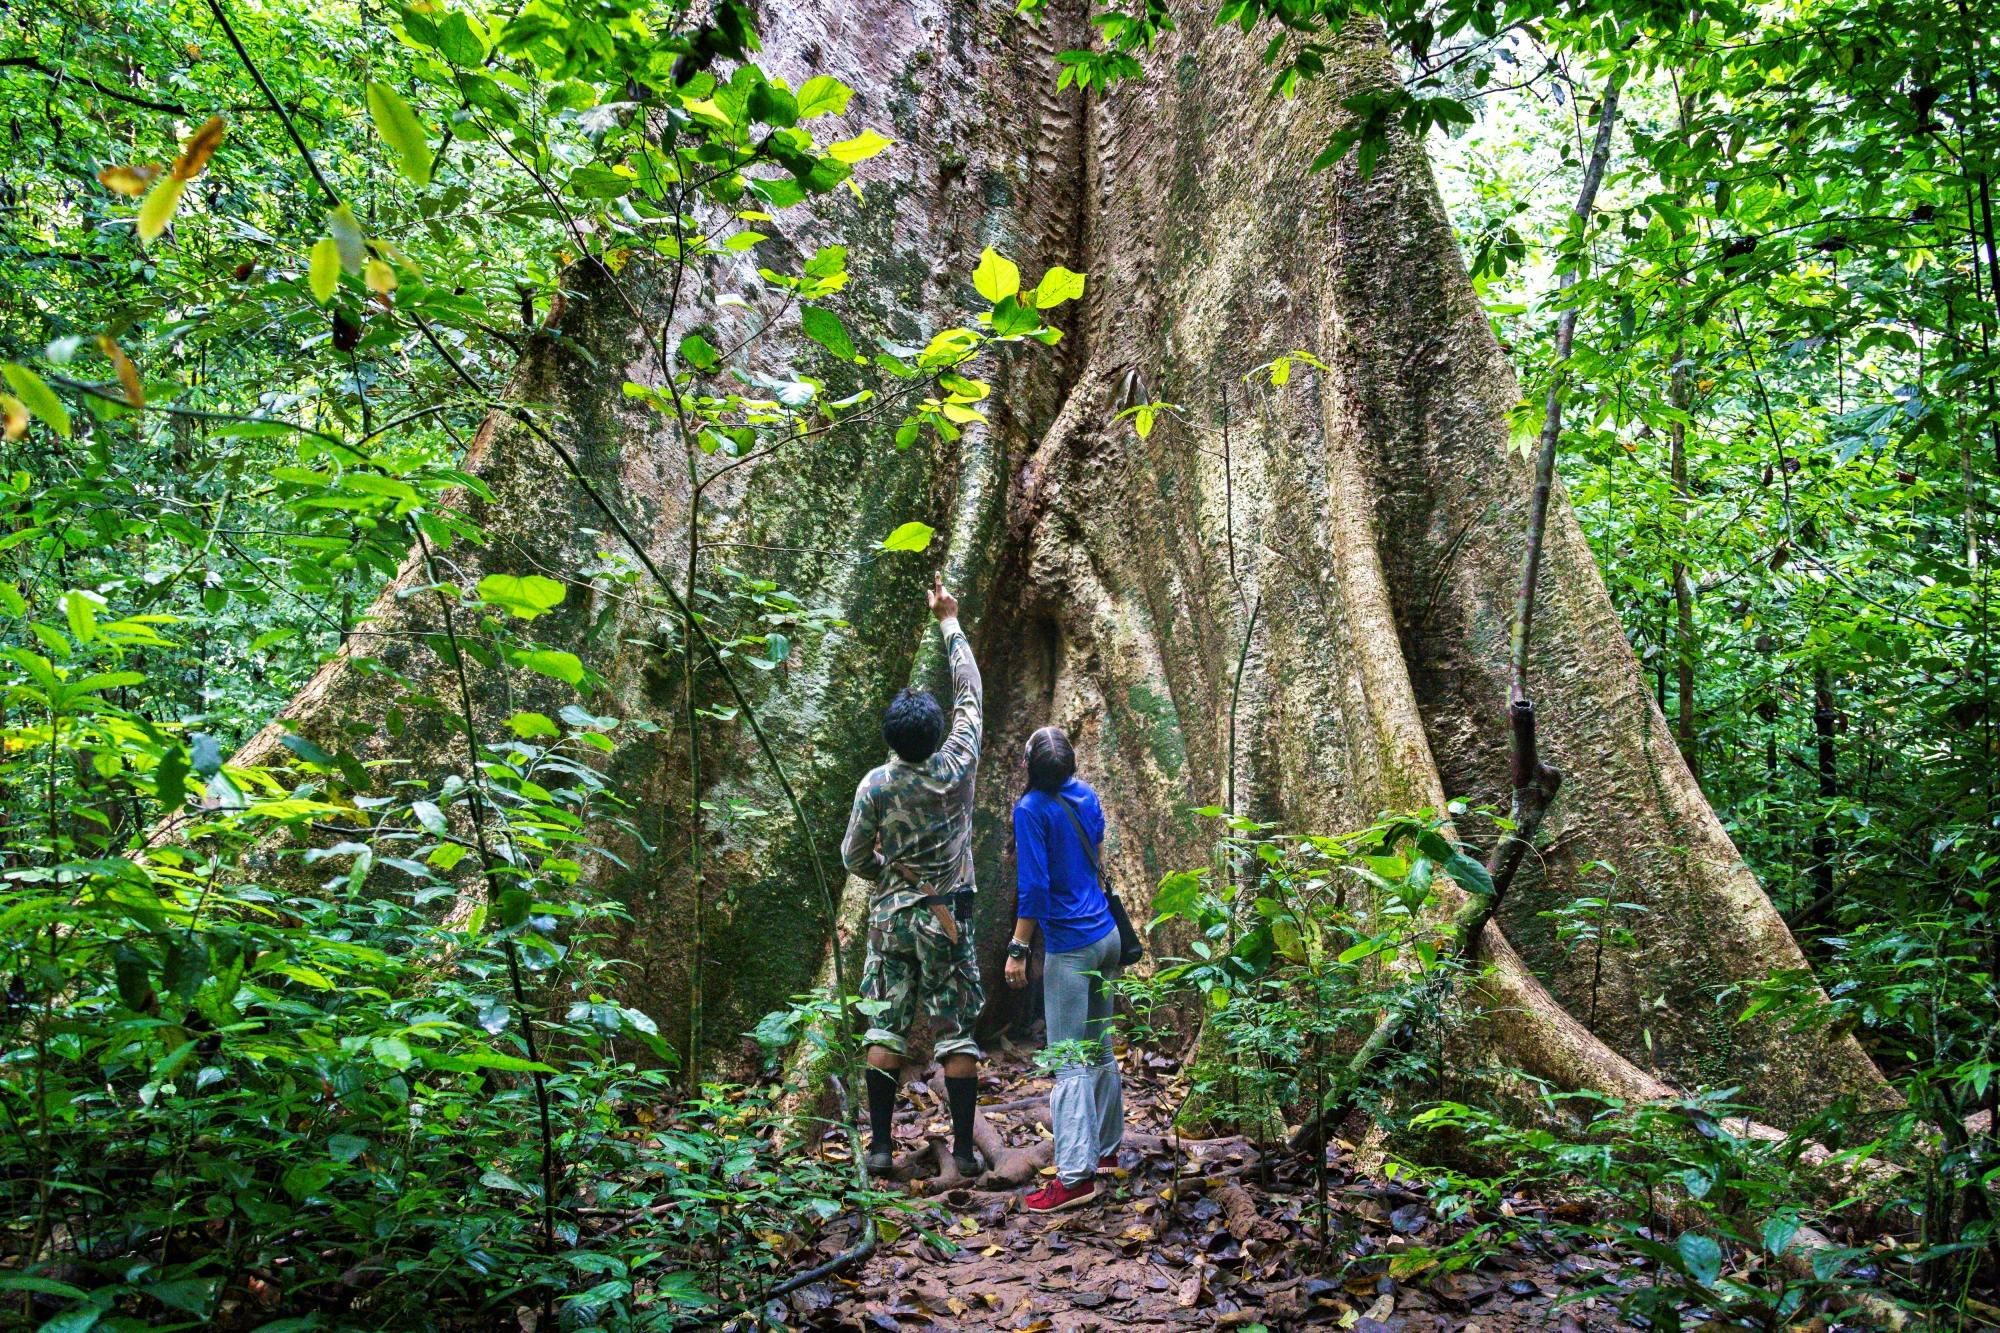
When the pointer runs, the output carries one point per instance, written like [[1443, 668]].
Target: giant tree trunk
[[1373, 510]]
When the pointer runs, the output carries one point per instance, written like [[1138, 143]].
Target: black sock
[[881, 1110], [963, 1093]]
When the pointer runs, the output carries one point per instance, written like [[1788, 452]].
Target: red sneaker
[[1108, 1162], [1056, 1196]]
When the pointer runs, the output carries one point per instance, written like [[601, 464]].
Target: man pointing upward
[[911, 834]]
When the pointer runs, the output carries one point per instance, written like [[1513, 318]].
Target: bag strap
[[1089, 848]]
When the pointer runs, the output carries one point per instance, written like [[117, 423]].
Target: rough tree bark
[[1373, 512]]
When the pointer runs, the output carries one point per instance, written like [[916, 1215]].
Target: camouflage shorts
[[912, 965]]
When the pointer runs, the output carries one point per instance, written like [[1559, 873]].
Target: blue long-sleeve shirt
[[1057, 886]]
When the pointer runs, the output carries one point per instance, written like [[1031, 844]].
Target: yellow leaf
[[130, 180], [348, 239], [128, 374], [13, 417], [996, 277], [199, 148], [323, 276], [860, 148], [1057, 286], [381, 279], [158, 210]]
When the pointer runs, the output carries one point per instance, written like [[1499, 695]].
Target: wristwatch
[[1016, 949]]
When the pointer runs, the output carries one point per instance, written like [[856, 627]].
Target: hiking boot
[[1056, 1196], [880, 1162], [968, 1164]]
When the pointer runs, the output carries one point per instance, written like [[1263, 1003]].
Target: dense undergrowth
[[1302, 943]]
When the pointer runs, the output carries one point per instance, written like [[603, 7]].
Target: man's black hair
[[914, 724], [1051, 761]]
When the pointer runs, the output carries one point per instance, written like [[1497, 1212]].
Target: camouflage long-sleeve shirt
[[919, 815]]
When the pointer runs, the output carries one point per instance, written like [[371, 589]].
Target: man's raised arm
[[961, 743]]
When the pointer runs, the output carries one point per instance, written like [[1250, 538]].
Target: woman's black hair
[[1051, 761]]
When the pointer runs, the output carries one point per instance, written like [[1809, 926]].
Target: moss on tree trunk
[[1373, 511]]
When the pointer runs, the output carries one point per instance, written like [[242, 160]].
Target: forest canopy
[[469, 477]]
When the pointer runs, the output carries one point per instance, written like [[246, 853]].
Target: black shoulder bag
[[1130, 947]]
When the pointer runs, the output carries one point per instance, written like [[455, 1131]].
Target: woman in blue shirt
[[1058, 828]]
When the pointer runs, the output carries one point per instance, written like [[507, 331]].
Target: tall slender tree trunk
[[1685, 726], [1824, 849], [1377, 518]]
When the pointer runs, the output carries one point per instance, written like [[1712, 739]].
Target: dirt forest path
[[1238, 1248]]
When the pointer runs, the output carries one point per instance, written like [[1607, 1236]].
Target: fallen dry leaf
[[200, 147], [128, 374], [130, 179]]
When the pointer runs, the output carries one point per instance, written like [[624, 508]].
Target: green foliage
[[1711, 1221], [332, 1036], [1780, 435]]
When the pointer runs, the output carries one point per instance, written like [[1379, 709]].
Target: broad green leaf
[[80, 609], [1779, 1231], [1702, 1256], [1058, 285], [822, 96], [323, 274], [1011, 318], [996, 277], [526, 596], [528, 725], [39, 397], [910, 537], [393, 1051], [305, 749], [43, 1285], [1470, 874], [492, 1060], [402, 131], [565, 667], [824, 328], [170, 778], [698, 352], [457, 41]]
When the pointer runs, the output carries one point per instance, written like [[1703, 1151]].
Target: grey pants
[[1087, 1107]]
